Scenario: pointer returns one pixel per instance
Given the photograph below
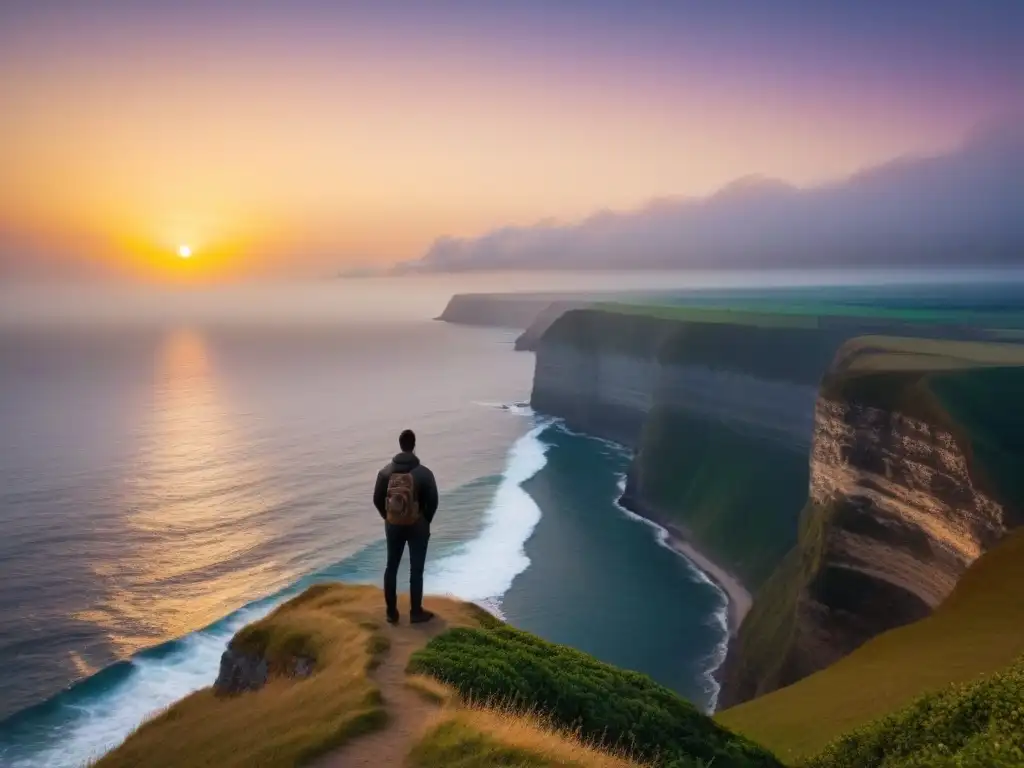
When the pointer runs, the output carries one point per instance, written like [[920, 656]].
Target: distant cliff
[[914, 474], [720, 415], [849, 489], [532, 313], [496, 310]]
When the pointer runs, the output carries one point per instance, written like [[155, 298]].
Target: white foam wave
[[482, 570], [719, 619], [104, 721]]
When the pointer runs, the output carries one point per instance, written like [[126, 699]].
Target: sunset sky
[[305, 137]]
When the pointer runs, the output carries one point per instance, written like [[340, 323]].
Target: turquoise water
[[599, 582]]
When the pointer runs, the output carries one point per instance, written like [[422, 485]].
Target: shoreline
[[738, 597]]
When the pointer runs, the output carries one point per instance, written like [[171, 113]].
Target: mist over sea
[[174, 464]]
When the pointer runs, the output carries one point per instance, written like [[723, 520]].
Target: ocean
[[174, 465], [163, 483]]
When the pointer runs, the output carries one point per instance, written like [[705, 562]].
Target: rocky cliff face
[[828, 471], [900, 505], [906, 510], [720, 417]]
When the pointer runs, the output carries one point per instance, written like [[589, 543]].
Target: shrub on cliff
[[612, 707], [974, 724]]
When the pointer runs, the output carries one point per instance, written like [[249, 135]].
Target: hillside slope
[[324, 681], [978, 629]]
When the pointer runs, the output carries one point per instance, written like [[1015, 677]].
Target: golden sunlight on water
[[195, 511]]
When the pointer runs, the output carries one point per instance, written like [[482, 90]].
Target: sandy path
[[408, 711]]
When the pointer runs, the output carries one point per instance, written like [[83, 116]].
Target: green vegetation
[[760, 652], [777, 311], [976, 631], [979, 724], [738, 495], [614, 708]]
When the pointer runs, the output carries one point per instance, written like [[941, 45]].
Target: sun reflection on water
[[196, 511]]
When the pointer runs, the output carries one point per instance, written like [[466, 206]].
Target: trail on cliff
[[408, 711]]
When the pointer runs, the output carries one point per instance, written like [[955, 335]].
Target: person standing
[[405, 496]]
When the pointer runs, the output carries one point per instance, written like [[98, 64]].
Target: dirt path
[[408, 710]]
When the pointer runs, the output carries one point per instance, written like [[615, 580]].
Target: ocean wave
[[482, 569], [95, 715], [719, 619]]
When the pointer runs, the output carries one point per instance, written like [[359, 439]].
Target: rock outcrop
[[243, 670]]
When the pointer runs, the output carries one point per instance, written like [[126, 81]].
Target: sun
[[184, 251]]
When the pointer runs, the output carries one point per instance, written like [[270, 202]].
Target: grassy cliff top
[[782, 310], [291, 720], [977, 630], [796, 346], [971, 389], [411, 695]]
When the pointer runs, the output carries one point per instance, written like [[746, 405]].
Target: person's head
[[407, 440]]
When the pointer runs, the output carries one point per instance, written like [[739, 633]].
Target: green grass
[[738, 496], [615, 708], [793, 312], [978, 724], [977, 630]]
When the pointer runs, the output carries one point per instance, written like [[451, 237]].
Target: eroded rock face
[[906, 511], [242, 671], [900, 519]]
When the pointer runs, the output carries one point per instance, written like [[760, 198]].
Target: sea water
[[162, 484]]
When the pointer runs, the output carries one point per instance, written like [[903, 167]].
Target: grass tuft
[[477, 737]]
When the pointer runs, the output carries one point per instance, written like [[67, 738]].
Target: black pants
[[416, 536]]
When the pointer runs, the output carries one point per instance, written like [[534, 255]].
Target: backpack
[[401, 505]]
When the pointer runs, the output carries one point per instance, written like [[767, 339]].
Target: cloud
[[961, 208]]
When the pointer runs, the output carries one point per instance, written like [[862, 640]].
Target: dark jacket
[[423, 482]]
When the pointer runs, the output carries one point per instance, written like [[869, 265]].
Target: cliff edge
[[848, 479], [911, 479]]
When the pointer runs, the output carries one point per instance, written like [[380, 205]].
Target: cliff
[[532, 313], [718, 407], [849, 480], [499, 310], [912, 478]]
